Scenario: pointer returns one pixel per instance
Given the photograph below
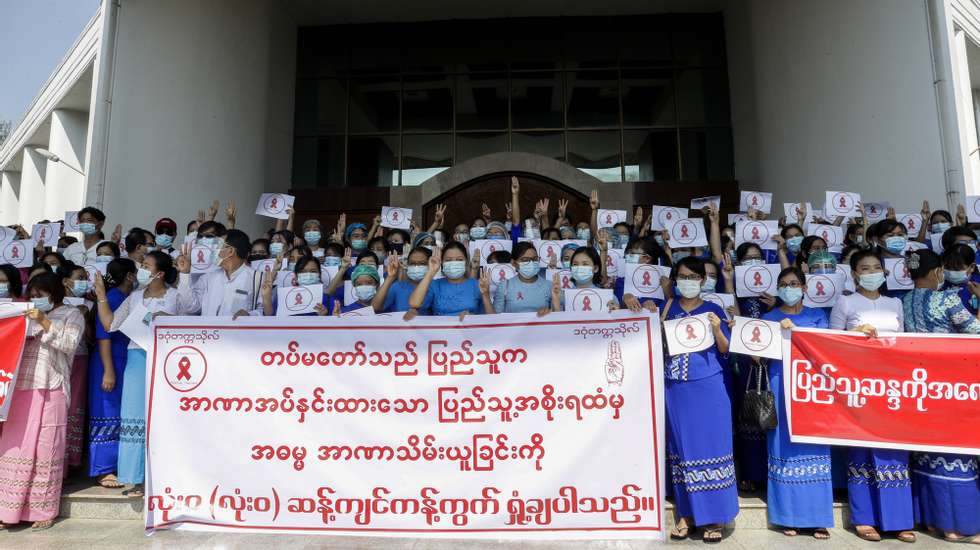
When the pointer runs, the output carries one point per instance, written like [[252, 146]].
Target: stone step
[[83, 500]]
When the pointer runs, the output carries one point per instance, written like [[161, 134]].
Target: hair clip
[[913, 261]]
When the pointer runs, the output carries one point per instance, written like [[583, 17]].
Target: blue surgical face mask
[[87, 229], [4, 290], [143, 276], [582, 234], [632, 258], [454, 269], [495, 237], [307, 279], [103, 259], [710, 283], [582, 273], [290, 266], [790, 295], [753, 261], [463, 237], [275, 249], [332, 261], [620, 241], [478, 232], [163, 240], [42, 303], [528, 269], [955, 277], [659, 239], [312, 237], [896, 244], [940, 227], [365, 292], [358, 244], [416, 272], [210, 242], [566, 264], [871, 281], [79, 288], [793, 244]]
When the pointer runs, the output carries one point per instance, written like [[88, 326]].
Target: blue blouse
[[119, 341], [398, 295], [809, 317], [449, 298], [938, 311], [701, 364]]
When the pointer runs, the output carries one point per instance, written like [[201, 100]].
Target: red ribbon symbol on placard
[[755, 200], [820, 291], [690, 332], [185, 369], [493, 248], [646, 278], [608, 218], [586, 304], [15, 252], [272, 205], [843, 201], [905, 271], [824, 235], [684, 231], [564, 282], [520, 295], [200, 256], [755, 233], [551, 252], [669, 215], [873, 209], [44, 233], [911, 223], [755, 335], [503, 275], [757, 278], [299, 299], [394, 215]]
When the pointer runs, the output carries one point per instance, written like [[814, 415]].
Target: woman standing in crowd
[[396, 291], [878, 486], [800, 490], [454, 294], [32, 442], [105, 374], [699, 417], [528, 291], [77, 288], [10, 283], [945, 492]]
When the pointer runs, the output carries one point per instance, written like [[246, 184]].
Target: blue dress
[[103, 420], [800, 489], [750, 444], [453, 298], [398, 295], [945, 488], [699, 430], [132, 431]]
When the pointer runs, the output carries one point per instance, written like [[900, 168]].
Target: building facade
[[161, 107]]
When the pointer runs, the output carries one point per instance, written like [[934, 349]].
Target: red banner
[[899, 391], [12, 332]]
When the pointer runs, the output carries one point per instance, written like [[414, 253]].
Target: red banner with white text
[[897, 391], [13, 329]]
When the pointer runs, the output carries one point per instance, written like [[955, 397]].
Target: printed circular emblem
[[683, 233], [755, 232], [393, 217], [185, 368], [92, 273], [488, 248], [829, 237], [201, 257], [14, 252], [900, 273], [976, 208], [753, 200], [691, 332], [275, 204], [501, 272], [714, 299], [72, 220], [841, 203], [297, 298], [587, 300], [820, 289], [665, 216], [911, 222], [755, 335], [758, 278], [646, 279], [549, 250]]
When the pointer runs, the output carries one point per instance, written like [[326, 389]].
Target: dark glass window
[[706, 154], [648, 97], [481, 101], [372, 161], [374, 105], [593, 99], [596, 153], [702, 97], [425, 156], [472, 145], [536, 100], [330, 161], [650, 155], [546, 144], [304, 163], [427, 103]]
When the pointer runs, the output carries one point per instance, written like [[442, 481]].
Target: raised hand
[[268, 279], [200, 217], [231, 212], [345, 261], [545, 204], [786, 324], [394, 264], [341, 224], [890, 213], [712, 212], [614, 364], [594, 200], [602, 238], [213, 209], [538, 209], [435, 261], [638, 217], [377, 220], [117, 233], [868, 330], [509, 208], [714, 320], [515, 185], [961, 218], [556, 290], [320, 310], [183, 261], [562, 206], [484, 282], [336, 308], [440, 215], [926, 213], [485, 212], [99, 288]]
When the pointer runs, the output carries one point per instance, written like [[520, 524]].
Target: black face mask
[[396, 247], [257, 256]]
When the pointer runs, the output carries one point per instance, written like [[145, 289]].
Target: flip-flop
[[109, 483], [790, 532], [42, 525], [906, 536], [712, 539], [680, 533], [868, 533], [972, 539], [821, 534]]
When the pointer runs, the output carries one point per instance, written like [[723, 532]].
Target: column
[[32, 191], [64, 179], [9, 197], [965, 112]]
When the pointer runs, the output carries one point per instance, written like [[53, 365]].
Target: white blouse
[[853, 310], [168, 303]]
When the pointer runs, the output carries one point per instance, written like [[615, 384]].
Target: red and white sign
[[615, 262], [756, 200], [757, 337], [734, 219], [297, 300], [833, 235], [321, 416], [287, 278], [18, 253], [758, 232], [609, 218], [687, 233], [13, 331], [823, 290], [897, 391], [794, 214], [898, 276], [592, 300], [71, 221], [396, 218], [973, 208], [755, 280], [912, 223], [204, 259], [46, 232], [724, 301], [275, 205], [643, 281], [549, 252], [564, 277], [663, 217], [844, 271], [840, 203], [488, 247], [689, 334], [702, 202], [876, 211], [498, 274]]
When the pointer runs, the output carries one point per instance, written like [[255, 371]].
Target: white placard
[[265, 266], [936, 239], [823, 290], [47, 232], [71, 221], [912, 223], [876, 211], [297, 300], [687, 233], [973, 208], [366, 311], [689, 334], [733, 219], [18, 253], [328, 272], [840, 203], [615, 262], [204, 259], [93, 271], [137, 326], [488, 247], [898, 277], [564, 277], [833, 235], [396, 218], [498, 273], [643, 281], [274, 205], [845, 271], [548, 250], [757, 338], [609, 218], [78, 302], [663, 217], [701, 202], [593, 300], [724, 301], [755, 200], [792, 212], [758, 232], [755, 280], [6, 235]]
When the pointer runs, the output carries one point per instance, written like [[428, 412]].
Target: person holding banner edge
[[699, 417], [945, 492]]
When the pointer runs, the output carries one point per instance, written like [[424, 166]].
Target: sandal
[[867, 532], [136, 491], [712, 535], [960, 539], [821, 534], [109, 481], [790, 532], [42, 525], [680, 532], [906, 536]]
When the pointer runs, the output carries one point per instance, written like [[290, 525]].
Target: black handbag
[[758, 411]]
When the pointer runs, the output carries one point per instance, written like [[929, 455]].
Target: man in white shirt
[[90, 220], [227, 291]]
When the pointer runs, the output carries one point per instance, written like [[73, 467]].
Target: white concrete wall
[[202, 109], [32, 189], [835, 95], [9, 197], [65, 186]]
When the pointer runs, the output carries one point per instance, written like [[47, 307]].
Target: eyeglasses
[[688, 277], [794, 284], [534, 259]]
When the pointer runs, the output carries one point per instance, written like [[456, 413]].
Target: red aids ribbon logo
[[185, 368], [200, 257], [757, 279], [14, 249], [690, 332], [565, 283], [820, 289], [843, 203], [502, 276], [586, 304], [551, 253], [394, 215], [755, 233], [755, 335], [684, 231], [609, 218], [668, 214], [646, 278], [587, 300], [824, 236], [755, 200], [44, 233], [298, 298], [520, 295], [273, 204], [872, 209], [911, 223], [905, 271]]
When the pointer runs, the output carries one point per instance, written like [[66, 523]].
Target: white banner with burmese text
[[499, 426]]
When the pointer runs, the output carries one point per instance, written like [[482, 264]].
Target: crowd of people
[[81, 385]]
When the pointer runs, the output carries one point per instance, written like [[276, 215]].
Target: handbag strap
[[761, 371]]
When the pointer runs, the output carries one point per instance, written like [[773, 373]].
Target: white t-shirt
[[885, 313], [77, 253]]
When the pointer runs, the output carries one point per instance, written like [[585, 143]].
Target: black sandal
[[708, 537]]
